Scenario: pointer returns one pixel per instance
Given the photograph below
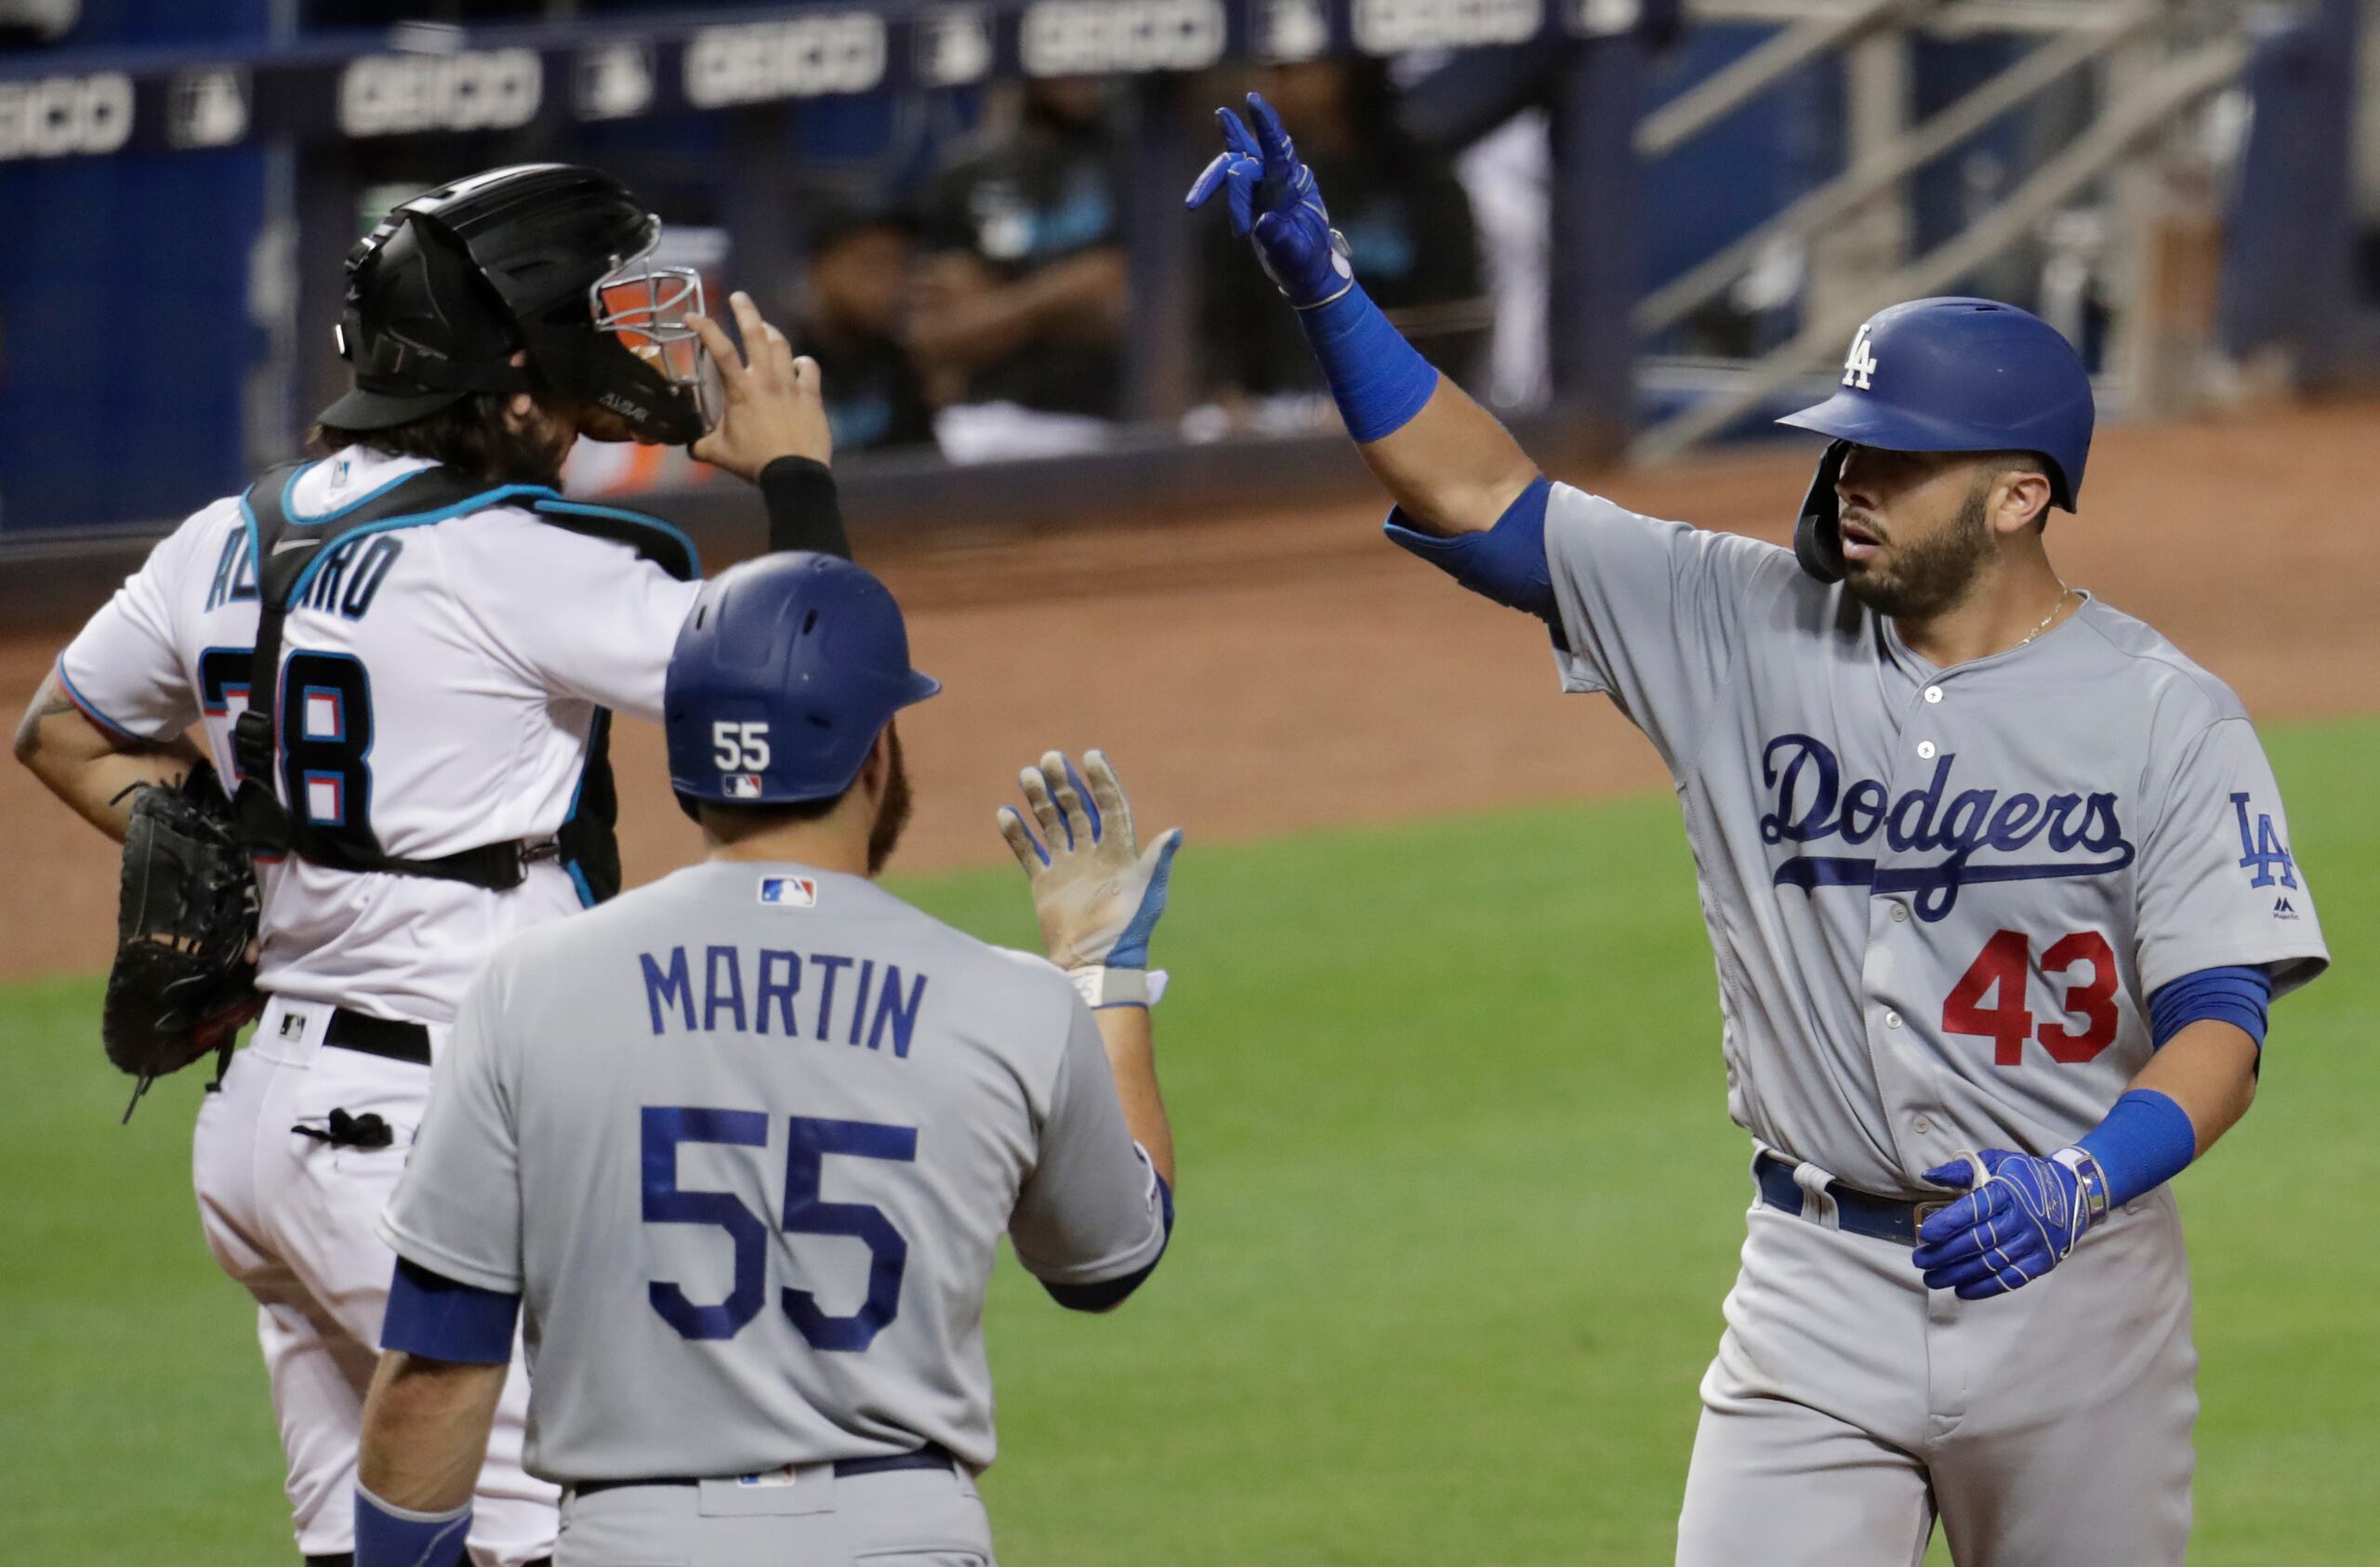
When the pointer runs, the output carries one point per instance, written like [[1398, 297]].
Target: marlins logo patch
[[742, 785], [791, 893]]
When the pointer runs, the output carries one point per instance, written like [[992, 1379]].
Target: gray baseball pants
[[907, 1517], [1850, 1407]]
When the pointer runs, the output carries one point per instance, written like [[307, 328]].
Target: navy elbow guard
[[1506, 563]]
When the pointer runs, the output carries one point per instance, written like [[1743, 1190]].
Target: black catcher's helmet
[[544, 257]]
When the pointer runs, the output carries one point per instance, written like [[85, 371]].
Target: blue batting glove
[[2021, 1223], [1274, 203]]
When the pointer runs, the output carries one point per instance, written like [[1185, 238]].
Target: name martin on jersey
[[1811, 802], [828, 989]]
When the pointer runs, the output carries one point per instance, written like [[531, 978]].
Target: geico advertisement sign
[[480, 89], [53, 116], [1387, 27], [1085, 38], [754, 62]]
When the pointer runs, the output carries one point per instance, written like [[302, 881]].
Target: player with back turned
[[2000, 889], [737, 1148], [443, 637]]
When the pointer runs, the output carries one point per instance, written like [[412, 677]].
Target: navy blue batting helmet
[[785, 673], [1949, 375]]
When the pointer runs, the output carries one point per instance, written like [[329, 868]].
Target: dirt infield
[[1263, 674]]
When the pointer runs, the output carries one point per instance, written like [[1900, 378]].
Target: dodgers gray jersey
[[745, 1142], [1939, 899]]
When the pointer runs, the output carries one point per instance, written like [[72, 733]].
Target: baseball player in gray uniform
[[737, 1148], [2000, 890]]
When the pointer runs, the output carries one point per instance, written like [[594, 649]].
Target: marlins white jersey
[[1939, 899], [441, 682], [745, 1142]]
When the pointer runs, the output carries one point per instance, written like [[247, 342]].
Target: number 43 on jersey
[[1989, 1000]]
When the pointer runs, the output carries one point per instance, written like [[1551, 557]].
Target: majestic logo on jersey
[[1983, 833], [791, 893], [2262, 851]]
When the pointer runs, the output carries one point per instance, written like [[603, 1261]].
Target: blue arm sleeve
[[2236, 996], [393, 1536], [1506, 563], [439, 1319], [1379, 380], [1110, 1293]]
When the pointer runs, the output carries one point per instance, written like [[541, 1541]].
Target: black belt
[[378, 1036], [933, 1455], [1861, 1213]]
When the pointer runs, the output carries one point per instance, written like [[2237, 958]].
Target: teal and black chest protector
[[290, 555]]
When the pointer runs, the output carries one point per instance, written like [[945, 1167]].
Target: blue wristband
[[393, 1536], [2146, 1141], [1378, 378]]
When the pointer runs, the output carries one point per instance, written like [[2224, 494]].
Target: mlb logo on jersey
[[793, 892], [742, 785]]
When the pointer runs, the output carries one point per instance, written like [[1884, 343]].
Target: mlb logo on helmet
[[742, 785], [791, 893]]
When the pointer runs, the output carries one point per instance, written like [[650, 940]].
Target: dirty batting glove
[[1097, 893], [2024, 1220]]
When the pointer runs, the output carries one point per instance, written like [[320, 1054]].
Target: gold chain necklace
[[2063, 592]]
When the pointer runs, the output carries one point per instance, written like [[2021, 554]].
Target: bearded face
[[1921, 575]]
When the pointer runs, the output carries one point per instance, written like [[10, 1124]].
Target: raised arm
[[1451, 467], [1099, 895], [773, 431]]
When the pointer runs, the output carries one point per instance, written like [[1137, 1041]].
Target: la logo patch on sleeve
[[790, 892]]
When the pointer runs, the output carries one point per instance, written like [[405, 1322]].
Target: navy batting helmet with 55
[[1949, 375], [783, 676]]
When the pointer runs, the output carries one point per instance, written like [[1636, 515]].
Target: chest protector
[[585, 845]]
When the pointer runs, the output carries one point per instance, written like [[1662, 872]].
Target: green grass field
[[1460, 1201]]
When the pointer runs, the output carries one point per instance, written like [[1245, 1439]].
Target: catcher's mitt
[[183, 981]]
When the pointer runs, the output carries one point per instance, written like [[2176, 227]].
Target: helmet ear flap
[[1817, 534]]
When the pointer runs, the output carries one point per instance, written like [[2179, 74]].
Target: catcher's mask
[[549, 260]]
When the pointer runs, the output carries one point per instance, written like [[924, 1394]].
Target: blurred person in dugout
[[1409, 224], [849, 313], [1018, 314]]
